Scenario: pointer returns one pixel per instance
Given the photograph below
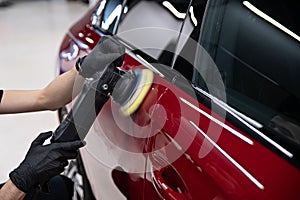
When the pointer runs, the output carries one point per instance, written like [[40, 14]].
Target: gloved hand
[[43, 162], [107, 51]]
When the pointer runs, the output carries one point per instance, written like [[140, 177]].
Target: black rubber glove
[[107, 51], [43, 162]]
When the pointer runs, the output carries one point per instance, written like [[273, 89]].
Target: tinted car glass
[[153, 27], [107, 15], [258, 61], [187, 44]]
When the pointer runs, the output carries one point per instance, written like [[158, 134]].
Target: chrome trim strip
[[234, 132], [229, 109], [147, 64], [128, 51], [235, 114]]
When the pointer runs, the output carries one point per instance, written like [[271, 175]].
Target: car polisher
[[127, 89], [131, 90]]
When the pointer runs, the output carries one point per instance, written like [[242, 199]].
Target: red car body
[[179, 144]]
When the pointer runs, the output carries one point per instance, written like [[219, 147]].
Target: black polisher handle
[[78, 122], [87, 106]]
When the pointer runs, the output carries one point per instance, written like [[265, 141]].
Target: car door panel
[[228, 165]]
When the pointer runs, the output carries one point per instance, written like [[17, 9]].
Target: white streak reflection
[[243, 170], [250, 123], [193, 18], [173, 10], [231, 130], [114, 14], [270, 20]]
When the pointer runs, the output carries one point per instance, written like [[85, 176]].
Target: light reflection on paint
[[231, 130], [89, 40], [243, 170], [71, 53], [245, 120]]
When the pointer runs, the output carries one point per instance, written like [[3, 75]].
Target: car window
[[153, 26], [187, 43], [255, 45], [107, 15]]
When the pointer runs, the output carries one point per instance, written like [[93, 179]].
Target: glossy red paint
[[78, 41], [231, 164]]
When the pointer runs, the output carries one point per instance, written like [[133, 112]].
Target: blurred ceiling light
[[270, 20], [173, 10]]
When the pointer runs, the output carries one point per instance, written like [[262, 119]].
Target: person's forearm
[[10, 192], [56, 94], [60, 91]]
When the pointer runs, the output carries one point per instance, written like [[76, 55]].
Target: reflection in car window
[[188, 39], [107, 16], [258, 61], [153, 26]]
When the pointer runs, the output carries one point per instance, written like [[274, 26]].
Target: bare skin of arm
[[56, 94], [10, 192]]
